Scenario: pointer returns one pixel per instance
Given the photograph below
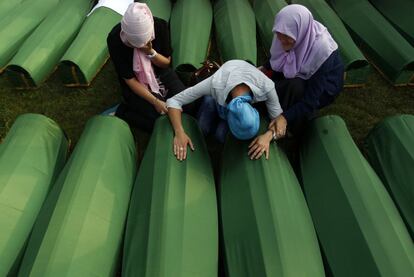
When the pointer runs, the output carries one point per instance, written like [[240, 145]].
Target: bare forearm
[[140, 90], [272, 129], [175, 118], [268, 135], [161, 61]]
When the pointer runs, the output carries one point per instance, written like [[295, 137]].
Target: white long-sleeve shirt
[[231, 74]]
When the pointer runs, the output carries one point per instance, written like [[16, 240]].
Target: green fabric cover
[[388, 50], [390, 149], [18, 24], [356, 66], [266, 226], [172, 227], [31, 156], [359, 228], [6, 6], [265, 11], [81, 64], [191, 22], [235, 26], [400, 14], [80, 227], [159, 8], [41, 52]]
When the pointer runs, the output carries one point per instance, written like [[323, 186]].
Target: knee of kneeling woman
[[207, 115], [297, 86], [221, 131], [208, 102]]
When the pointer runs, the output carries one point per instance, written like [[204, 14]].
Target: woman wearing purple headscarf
[[305, 65]]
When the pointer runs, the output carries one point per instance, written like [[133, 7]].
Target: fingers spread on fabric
[[191, 144], [253, 149], [180, 153], [253, 142], [256, 151], [181, 141], [257, 154], [259, 147]]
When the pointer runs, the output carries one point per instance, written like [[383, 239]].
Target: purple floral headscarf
[[313, 43]]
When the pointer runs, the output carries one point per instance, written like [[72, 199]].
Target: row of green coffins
[[67, 218], [66, 37], [390, 52]]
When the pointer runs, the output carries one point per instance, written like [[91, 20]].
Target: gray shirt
[[231, 74]]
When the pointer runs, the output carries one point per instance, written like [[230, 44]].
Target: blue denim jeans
[[210, 121]]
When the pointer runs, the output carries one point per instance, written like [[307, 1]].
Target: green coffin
[[357, 67], [18, 24], [388, 50], [41, 52], [190, 25], [265, 11], [359, 228], [172, 227], [88, 52], [235, 26], [79, 230], [31, 156], [6, 6], [159, 8], [400, 14], [266, 226], [390, 148]]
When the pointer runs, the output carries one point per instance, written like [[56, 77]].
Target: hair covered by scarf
[[242, 118], [313, 43], [137, 29]]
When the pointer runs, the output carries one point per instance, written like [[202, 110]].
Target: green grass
[[69, 107], [361, 108]]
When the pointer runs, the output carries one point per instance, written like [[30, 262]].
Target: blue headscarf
[[242, 118]]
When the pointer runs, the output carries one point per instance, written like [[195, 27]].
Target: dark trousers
[[139, 113], [209, 120], [290, 91]]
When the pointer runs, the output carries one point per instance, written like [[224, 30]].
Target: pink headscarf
[[137, 29], [313, 43]]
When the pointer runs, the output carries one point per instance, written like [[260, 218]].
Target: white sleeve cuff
[[274, 114], [172, 103]]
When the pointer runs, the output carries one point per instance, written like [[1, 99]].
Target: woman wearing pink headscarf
[[140, 50], [305, 65]]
